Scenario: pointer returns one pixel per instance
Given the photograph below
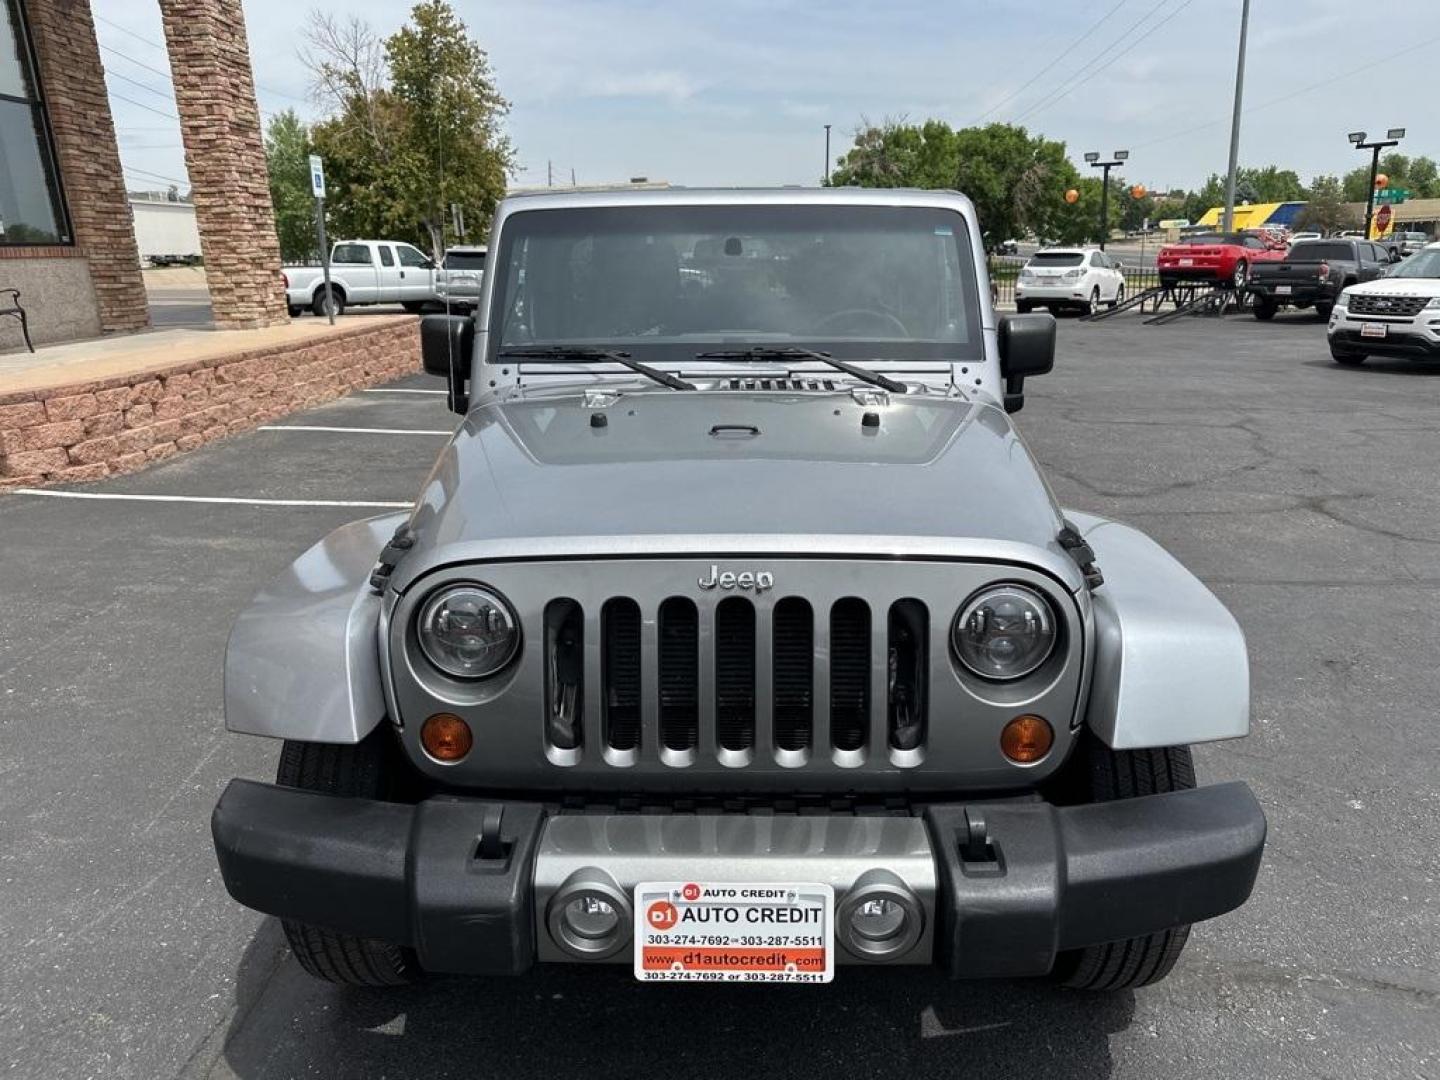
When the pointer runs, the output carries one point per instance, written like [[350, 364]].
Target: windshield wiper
[[794, 352], [581, 352]]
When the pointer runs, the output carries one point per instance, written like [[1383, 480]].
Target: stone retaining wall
[[86, 431]]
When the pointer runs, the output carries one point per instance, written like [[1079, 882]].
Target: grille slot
[[735, 674], [564, 674], [620, 673], [679, 632], [907, 673], [793, 646], [1396, 306], [849, 673]]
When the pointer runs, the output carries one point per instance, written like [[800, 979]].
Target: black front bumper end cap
[[1031, 880], [433, 876]]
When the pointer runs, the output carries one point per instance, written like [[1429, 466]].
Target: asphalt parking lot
[[1304, 494]]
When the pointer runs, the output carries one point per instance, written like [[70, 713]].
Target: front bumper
[[1003, 886], [1416, 338]]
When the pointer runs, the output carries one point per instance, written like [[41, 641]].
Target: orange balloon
[[1382, 181], [1138, 191], [1072, 196]]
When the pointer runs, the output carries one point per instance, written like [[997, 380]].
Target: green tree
[[1424, 178], [1325, 210], [1270, 183], [415, 129], [287, 151], [1016, 180]]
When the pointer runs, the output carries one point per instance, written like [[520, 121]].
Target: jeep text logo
[[759, 580]]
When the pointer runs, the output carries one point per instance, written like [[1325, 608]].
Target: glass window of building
[[30, 208]]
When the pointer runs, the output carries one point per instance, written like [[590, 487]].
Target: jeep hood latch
[[394, 551], [1075, 546]]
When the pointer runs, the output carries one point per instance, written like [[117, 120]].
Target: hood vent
[[784, 383]]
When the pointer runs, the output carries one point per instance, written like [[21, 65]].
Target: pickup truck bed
[[1312, 273]]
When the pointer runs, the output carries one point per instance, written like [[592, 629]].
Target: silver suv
[[736, 636]]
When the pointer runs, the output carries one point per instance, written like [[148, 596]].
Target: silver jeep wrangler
[[736, 636]]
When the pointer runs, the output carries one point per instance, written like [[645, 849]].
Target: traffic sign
[[1382, 221], [1175, 223], [317, 176], [1392, 195]]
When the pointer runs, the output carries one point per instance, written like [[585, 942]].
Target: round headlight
[[1004, 632], [467, 631]]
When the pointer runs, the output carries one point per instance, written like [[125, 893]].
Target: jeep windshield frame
[[868, 283]]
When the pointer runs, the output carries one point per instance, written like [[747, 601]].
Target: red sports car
[[1223, 258]]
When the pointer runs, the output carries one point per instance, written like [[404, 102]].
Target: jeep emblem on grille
[[758, 580]]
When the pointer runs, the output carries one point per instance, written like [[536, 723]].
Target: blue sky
[[738, 91]]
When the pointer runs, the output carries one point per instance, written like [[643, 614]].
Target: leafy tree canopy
[[287, 153], [415, 127]]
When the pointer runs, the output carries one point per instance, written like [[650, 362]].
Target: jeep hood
[[535, 474]]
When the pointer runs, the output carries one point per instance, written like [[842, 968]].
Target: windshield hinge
[[1075, 546], [869, 395], [600, 399]]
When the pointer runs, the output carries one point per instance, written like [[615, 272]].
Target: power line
[[153, 175], [156, 45], [142, 105], [1071, 86], [1369, 65], [1044, 70], [138, 63], [143, 86]]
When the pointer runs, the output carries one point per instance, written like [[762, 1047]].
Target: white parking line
[[352, 430], [52, 493], [400, 390]]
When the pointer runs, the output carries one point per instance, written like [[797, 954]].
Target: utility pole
[[1228, 223], [825, 175], [549, 174], [1357, 139], [1117, 158]]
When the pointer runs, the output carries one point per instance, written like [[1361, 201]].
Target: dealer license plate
[[1282, 290], [1373, 329], [1187, 262], [773, 932]]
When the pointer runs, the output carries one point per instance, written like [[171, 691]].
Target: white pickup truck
[[364, 272]]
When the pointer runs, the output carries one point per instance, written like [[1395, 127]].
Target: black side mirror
[[1395, 257], [446, 342], [1027, 347]]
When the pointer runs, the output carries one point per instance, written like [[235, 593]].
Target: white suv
[[1069, 277], [1397, 315]]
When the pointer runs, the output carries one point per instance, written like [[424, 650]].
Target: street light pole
[[825, 174], [1119, 157], [1229, 221], [1357, 139]]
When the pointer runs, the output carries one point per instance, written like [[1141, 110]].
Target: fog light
[[880, 918], [591, 916], [446, 737], [1026, 739], [588, 916]]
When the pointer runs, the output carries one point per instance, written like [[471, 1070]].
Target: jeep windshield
[[664, 282]]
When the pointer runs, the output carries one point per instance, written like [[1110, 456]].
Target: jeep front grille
[[747, 672], [649, 676]]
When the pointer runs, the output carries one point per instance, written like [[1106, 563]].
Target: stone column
[[73, 82], [225, 159]]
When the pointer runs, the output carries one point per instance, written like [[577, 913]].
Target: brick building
[[67, 239]]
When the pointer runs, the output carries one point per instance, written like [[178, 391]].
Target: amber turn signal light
[[446, 737], [1026, 739]]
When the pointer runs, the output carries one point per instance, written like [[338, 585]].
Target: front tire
[[1264, 310], [1023, 307], [363, 771], [414, 307], [1106, 775], [1323, 309], [1346, 357]]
